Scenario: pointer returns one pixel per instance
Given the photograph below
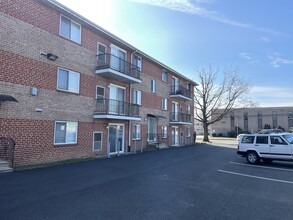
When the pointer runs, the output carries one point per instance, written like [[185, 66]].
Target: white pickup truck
[[268, 147]]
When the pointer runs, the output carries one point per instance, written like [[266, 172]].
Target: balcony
[[181, 93], [113, 67], [180, 118], [114, 109]]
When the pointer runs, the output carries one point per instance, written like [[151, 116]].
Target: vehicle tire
[[267, 160], [252, 157]]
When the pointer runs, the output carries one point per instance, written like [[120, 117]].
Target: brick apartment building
[[254, 119], [80, 90]]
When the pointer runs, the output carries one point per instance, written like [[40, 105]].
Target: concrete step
[[5, 167]]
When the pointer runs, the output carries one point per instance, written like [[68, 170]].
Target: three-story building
[[70, 89]]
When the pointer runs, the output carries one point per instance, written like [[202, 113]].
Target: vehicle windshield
[[289, 138]]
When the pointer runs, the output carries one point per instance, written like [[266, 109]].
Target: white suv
[[268, 147]]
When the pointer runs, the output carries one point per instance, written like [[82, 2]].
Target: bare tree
[[230, 92]]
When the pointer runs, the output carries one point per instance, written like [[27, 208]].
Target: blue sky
[[253, 35]]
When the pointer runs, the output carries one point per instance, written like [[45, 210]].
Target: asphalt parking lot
[[197, 182]]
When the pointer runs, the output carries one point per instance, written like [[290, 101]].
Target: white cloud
[[272, 96], [265, 39], [246, 56], [193, 7], [249, 57], [276, 61]]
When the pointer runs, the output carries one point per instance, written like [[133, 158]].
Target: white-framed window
[[188, 109], [65, 132], [164, 131], [97, 141], [136, 132], [188, 132], [101, 52], [100, 94], [164, 104], [68, 80], [70, 29], [164, 76], [153, 86], [137, 61], [137, 97]]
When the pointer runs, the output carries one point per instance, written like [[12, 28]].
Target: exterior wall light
[[50, 56]]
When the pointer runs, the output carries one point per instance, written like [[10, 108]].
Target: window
[[232, 123], [259, 120], [153, 86], [245, 115], [101, 52], [188, 109], [100, 94], [164, 104], [277, 140], [137, 97], [262, 140], [137, 62], [188, 87], [164, 76], [187, 132], [164, 131], [247, 139], [136, 134], [70, 29], [275, 119], [68, 80], [97, 141], [65, 132]]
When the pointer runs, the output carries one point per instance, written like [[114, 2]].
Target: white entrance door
[[175, 107], [116, 102], [116, 138], [175, 136], [118, 59], [175, 85]]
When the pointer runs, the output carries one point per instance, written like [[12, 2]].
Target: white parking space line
[[262, 167], [255, 177]]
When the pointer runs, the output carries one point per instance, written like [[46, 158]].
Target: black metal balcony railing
[[180, 117], [180, 90], [107, 60], [115, 107]]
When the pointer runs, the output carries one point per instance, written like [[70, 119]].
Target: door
[[152, 129], [175, 85], [175, 136], [175, 107], [116, 138], [118, 59], [116, 102], [279, 148]]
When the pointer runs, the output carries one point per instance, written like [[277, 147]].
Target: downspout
[[129, 122]]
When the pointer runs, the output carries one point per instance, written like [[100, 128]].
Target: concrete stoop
[[5, 167]]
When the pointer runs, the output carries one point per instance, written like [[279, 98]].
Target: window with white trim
[[137, 97], [101, 52], [65, 132], [164, 76], [188, 132], [137, 62], [136, 132], [188, 109], [97, 141], [153, 86], [100, 94], [164, 131], [70, 29], [68, 80], [164, 104]]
